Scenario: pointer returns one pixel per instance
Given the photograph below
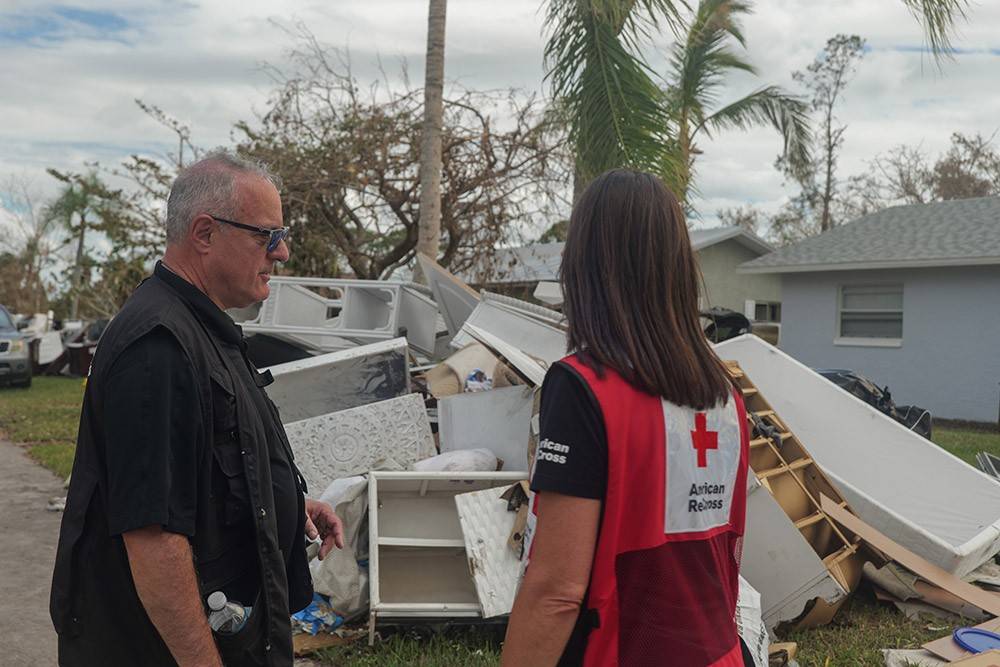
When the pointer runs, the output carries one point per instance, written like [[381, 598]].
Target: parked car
[[15, 359], [914, 418]]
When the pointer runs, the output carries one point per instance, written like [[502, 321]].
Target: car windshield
[[5, 321]]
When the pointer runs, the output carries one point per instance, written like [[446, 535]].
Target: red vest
[[664, 581]]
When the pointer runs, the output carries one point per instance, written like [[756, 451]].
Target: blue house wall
[[949, 357]]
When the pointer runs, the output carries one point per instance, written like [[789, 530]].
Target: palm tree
[[698, 64], [615, 112], [78, 208], [429, 226]]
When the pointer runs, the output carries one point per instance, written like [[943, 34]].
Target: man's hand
[[323, 522]]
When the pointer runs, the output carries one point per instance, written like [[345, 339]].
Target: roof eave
[[866, 266]]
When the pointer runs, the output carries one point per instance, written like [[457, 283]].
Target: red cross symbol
[[702, 439]]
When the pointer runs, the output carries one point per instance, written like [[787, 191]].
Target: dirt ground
[[28, 535]]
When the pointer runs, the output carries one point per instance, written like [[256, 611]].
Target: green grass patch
[[423, 647], [45, 418], [859, 632], [965, 443]]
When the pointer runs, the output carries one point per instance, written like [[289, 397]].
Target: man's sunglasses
[[275, 235]]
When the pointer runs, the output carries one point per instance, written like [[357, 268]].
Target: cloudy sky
[[70, 70]]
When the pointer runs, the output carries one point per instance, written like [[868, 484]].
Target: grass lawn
[[45, 418]]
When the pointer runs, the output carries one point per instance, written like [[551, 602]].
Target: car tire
[[26, 384]]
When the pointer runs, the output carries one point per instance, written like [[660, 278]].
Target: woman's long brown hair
[[630, 289]]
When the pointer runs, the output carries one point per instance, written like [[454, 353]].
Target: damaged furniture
[[904, 486], [801, 561], [418, 564], [326, 314], [535, 330]]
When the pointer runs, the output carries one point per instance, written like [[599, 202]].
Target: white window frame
[[857, 341]]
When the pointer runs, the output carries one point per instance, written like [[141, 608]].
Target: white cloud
[[69, 99]]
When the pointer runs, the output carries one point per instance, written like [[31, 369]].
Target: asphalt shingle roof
[[962, 231], [541, 261]]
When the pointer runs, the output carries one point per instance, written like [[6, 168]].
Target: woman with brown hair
[[640, 472]]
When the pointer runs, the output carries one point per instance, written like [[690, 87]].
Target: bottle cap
[[217, 601]]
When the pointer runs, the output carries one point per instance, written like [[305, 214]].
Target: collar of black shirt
[[204, 308]]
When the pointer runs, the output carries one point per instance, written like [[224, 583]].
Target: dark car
[[15, 357], [912, 417]]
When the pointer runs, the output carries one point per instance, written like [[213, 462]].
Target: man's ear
[[203, 227]]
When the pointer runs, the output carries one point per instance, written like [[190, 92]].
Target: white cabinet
[[418, 566]]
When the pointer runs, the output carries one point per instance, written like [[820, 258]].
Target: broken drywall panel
[[388, 435], [779, 562], [340, 380], [454, 298], [531, 369], [486, 525], [903, 485], [496, 420], [910, 658], [529, 331], [985, 600]]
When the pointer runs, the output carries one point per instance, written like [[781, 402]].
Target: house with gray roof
[[908, 296], [517, 271]]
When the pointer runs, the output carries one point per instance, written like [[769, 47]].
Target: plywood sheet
[[985, 600]]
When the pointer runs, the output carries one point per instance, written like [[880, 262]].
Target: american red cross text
[[702, 439]]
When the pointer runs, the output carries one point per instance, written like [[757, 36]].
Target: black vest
[[99, 617]]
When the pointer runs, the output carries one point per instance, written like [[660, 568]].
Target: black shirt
[[572, 456], [161, 432]]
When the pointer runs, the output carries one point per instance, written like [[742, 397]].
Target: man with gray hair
[[184, 486]]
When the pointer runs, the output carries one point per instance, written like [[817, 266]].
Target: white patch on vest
[[700, 498]]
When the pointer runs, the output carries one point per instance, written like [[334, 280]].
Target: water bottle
[[225, 617]]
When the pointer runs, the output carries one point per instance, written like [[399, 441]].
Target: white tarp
[[908, 488]]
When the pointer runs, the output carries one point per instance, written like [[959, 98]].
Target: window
[[766, 312], [871, 312]]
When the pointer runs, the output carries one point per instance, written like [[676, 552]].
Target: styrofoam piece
[[340, 380], [531, 369], [496, 570], [322, 313], [534, 332], [779, 562], [496, 420], [903, 485], [388, 435], [418, 565], [455, 299]]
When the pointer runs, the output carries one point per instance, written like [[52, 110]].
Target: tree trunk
[[78, 270], [429, 239], [825, 223]]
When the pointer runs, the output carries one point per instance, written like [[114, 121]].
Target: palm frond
[[700, 60], [938, 20], [787, 114], [615, 109]]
